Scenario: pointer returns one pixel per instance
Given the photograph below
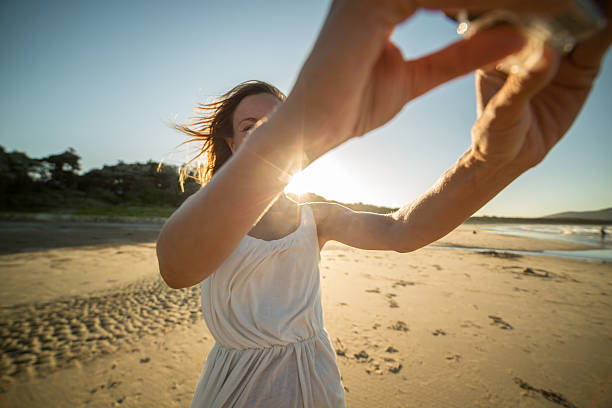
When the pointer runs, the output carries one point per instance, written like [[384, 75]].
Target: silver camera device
[[562, 32]]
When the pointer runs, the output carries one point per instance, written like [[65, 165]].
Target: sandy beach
[[86, 321]]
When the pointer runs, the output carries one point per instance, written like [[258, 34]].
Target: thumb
[[511, 100], [589, 53], [503, 125]]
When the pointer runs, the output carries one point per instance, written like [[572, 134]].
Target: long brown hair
[[212, 125]]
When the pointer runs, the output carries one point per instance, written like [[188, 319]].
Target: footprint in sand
[[498, 321], [376, 290], [374, 369], [341, 350], [547, 394], [453, 357], [399, 326], [394, 367], [536, 273], [402, 283], [439, 332], [516, 289], [470, 324], [362, 355], [503, 255]]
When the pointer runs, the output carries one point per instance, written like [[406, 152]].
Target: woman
[[256, 252]]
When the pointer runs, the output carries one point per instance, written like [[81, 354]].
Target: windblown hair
[[212, 125]]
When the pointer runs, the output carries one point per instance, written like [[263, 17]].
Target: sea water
[[578, 234]]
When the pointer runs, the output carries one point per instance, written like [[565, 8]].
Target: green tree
[[63, 168]]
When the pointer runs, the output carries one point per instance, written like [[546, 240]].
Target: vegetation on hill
[[599, 215], [54, 184], [312, 198]]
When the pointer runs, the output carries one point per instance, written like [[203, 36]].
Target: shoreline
[[597, 255]]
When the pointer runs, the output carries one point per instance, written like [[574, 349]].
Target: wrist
[[503, 171], [473, 158], [275, 147]]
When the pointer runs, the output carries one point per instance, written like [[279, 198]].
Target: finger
[[523, 6], [589, 53], [460, 58], [488, 83], [507, 108], [519, 88]]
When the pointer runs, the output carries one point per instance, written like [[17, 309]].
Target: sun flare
[[298, 184], [326, 177]]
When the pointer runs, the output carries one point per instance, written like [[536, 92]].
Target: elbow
[[410, 245], [404, 249], [401, 238], [174, 270], [171, 278], [168, 277]]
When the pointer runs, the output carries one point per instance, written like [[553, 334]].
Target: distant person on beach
[[256, 252]]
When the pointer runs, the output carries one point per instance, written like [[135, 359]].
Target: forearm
[[315, 118], [209, 225], [459, 193]]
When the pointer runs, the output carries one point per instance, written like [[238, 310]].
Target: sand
[[86, 321]]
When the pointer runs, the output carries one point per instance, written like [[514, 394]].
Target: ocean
[[578, 234]]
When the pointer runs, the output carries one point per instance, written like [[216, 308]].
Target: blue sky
[[107, 77]]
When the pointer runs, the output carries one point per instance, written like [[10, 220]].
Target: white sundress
[[263, 307]]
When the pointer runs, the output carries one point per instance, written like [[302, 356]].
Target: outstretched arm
[[459, 193], [521, 118], [354, 80]]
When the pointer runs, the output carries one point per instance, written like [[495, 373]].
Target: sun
[[299, 184], [327, 177]]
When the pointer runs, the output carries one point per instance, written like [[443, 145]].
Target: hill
[[312, 198], [599, 215]]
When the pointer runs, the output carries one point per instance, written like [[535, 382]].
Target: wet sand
[[86, 321]]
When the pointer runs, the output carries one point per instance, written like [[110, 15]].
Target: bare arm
[[459, 192], [521, 118], [337, 96], [196, 239]]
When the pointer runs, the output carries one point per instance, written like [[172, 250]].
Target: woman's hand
[[356, 79], [522, 116]]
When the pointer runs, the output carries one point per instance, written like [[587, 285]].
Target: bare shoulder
[[327, 217], [363, 230]]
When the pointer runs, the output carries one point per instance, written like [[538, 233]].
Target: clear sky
[[107, 77]]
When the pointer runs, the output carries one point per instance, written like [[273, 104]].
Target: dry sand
[[86, 321]]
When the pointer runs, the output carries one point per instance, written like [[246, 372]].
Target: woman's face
[[249, 111]]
